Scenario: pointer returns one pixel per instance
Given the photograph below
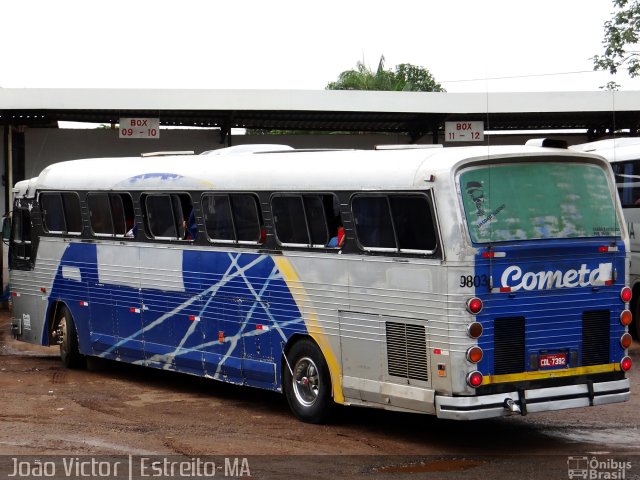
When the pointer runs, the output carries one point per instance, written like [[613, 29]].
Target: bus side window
[[289, 219], [160, 221], [394, 221], [415, 228], [246, 217], [52, 212], [316, 219], [165, 215], [100, 214], [121, 212], [306, 219], [217, 217], [232, 218], [61, 212], [373, 221], [627, 180], [111, 214]]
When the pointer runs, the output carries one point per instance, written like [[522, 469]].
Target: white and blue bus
[[624, 155], [464, 282]]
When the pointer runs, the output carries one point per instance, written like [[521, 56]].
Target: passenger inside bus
[[190, 227], [338, 239], [334, 221]]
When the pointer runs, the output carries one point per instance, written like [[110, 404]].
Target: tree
[[621, 40], [406, 78]]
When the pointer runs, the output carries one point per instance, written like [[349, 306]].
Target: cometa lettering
[[514, 278]]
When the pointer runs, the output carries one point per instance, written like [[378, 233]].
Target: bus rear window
[[529, 201]]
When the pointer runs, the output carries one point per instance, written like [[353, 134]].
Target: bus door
[[25, 302]]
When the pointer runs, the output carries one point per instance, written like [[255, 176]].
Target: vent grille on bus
[[407, 351], [595, 337], [508, 344]]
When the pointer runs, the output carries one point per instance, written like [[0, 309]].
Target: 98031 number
[[469, 281]]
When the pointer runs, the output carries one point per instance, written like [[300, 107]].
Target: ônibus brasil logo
[[514, 278]]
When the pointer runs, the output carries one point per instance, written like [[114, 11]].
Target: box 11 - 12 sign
[[139, 128], [464, 131]]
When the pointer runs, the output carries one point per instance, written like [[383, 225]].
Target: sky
[[468, 46]]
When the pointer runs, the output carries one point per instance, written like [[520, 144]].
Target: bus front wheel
[[68, 340], [307, 383]]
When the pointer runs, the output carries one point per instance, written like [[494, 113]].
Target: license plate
[[547, 360]]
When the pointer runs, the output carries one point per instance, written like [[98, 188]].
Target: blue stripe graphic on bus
[[225, 315], [542, 299]]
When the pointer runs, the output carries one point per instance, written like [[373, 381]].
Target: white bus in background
[[624, 156]]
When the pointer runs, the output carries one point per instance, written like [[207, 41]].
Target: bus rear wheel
[[307, 383], [68, 340]]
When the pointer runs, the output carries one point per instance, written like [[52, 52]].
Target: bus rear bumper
[[530, 401]]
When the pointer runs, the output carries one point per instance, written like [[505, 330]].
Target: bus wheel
[[68, 340], [307, 383]]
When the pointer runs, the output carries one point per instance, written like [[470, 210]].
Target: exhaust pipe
[[511, 406]]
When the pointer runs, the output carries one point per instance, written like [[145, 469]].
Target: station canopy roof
[[414, 113]]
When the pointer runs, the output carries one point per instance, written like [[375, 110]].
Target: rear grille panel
[[558, 287], [407, 351], [596, 337], [509, 348]]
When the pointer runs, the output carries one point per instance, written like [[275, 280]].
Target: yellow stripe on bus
[[518, 377], [311, 320]]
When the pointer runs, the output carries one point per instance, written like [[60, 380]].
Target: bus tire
[[308, 390], [69, 347]]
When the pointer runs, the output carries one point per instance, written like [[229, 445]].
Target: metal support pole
[[8, 166]]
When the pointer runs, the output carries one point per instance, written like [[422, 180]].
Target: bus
[[467, 282], [624, 155]]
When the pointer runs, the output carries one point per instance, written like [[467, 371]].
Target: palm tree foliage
[[405, 78]]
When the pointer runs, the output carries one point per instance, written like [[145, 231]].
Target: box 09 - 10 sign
[[139, 128]]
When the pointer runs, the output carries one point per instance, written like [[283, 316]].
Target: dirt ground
[[116, 409]]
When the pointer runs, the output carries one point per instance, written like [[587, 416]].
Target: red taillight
[[474, 330], [626, 294], [474, 379], [474, 305], [625, 364], [625, 340], [474, 354], [625, 317]]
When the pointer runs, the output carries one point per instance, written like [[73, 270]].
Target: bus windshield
[[529, 201]]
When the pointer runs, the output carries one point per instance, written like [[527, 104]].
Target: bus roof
[[270, 170], [613, 149]]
